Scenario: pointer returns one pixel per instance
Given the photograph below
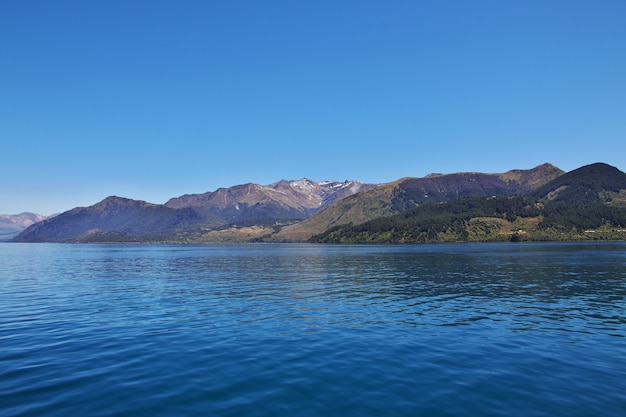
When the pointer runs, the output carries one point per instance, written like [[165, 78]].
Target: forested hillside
[[588, 184], [476, 219]]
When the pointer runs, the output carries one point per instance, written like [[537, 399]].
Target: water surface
[[272, 329]]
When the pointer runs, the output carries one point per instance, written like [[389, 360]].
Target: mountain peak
[[285, 199], [120, 201], [197, 217], [587, 183], [112, 199]]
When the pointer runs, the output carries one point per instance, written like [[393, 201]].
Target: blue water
[[313, 330]]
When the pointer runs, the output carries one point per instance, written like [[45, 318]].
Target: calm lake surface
[[313, 330]]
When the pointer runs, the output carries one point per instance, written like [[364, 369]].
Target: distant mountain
[[590, 183], [12, 224], [408, 193], [283, 200], [192, 217], [116, 218], [545, 202]]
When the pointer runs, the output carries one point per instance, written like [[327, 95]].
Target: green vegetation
[[588, 184], [491, 219], [588, 203], [585, 204]]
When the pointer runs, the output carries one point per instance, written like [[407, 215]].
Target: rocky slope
[[284, 200]]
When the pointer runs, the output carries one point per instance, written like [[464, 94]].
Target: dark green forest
[[513, 218], [588, 184]]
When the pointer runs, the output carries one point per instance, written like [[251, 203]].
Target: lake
[[313, 330]]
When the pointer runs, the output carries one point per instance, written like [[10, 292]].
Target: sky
[[154, 99]]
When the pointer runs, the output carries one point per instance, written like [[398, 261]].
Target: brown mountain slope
[[358, 208], [294, 200], [214, 216], [407, 193]]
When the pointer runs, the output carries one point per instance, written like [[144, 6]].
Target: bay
[[297, 329]]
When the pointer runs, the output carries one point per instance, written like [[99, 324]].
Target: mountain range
[[294, 211], [588, 203], [283, 200], [193, 217], [407, 193], [13, 224]]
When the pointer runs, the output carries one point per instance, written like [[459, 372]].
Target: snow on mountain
[[293, 199]]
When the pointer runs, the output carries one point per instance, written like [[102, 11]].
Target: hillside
[[116, 218], [358, 208], [239, 213], [487, 219], [542, 203], [408, 193], [580, 205], [283, 200], [591, 183]]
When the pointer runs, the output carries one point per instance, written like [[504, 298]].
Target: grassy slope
[[358, 208]]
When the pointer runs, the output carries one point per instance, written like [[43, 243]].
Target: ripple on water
[[109, 330]]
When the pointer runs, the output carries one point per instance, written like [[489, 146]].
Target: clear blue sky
[[154, 99]]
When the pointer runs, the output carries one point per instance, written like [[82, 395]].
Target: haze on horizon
[[154, 99]]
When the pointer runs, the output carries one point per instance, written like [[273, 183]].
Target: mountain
[[487, 219], [408, 193], [597, 182], [436, 188], [283, 200], [213, 216], [116, 218], [544, 202], [12, 224], [584, 204]]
